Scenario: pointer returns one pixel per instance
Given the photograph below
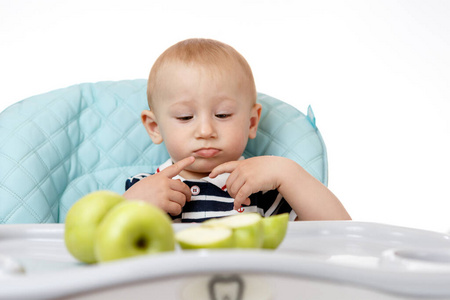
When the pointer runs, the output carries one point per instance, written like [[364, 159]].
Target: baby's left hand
[[249, 176]]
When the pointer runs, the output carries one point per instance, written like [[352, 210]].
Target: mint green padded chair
[[57, 147]]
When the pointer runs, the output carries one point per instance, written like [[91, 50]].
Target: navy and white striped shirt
[[210, 199]]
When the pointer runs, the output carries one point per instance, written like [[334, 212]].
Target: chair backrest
[[59, 146]]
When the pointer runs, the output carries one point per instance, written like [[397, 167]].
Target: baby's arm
[[307, 196], [163, 191]]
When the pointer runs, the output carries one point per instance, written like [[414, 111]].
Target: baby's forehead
[[219, 68], [185, 79]]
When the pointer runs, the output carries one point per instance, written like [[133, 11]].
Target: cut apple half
[[205, 237], [247, 229], [275, 228]]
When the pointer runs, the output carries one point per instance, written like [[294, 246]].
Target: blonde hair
[[206, 53]]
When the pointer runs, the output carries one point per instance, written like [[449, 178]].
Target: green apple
[[204, 237], [82, 221], [133, 228], [247, 229], [274, 228]]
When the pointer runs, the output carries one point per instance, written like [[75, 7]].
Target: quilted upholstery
[[57, 147]]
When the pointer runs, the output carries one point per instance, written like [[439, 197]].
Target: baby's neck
[[193, 175]]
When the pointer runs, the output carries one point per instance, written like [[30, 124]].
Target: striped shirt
[[210, 199]]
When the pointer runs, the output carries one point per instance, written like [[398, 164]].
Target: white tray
[[317, 260]]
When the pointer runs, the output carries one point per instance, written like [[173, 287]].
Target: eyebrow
[[190, 101], [181, 103]]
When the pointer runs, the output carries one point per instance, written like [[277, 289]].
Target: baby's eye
[[184, 118], [223, 116]]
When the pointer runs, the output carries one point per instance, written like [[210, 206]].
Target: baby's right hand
[[163, 191]]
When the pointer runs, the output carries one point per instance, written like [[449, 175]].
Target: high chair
[[59, 146]]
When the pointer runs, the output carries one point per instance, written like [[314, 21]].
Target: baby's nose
[[206, 129]]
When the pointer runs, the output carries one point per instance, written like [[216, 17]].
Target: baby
[[202, 100]]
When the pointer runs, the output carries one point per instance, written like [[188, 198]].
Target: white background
[[377, 74]]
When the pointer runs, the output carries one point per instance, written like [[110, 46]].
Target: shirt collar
[[219, 181]]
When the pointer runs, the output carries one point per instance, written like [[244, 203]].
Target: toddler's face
[[204, 114]]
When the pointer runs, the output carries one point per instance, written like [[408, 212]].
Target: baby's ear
[[255, 115], [149, 120]]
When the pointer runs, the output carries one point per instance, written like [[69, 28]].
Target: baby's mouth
[[206, 152]]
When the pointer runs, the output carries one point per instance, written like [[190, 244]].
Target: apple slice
[[205, 237], [82, 221], [133, 228], [274, 228], [247, 229]]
